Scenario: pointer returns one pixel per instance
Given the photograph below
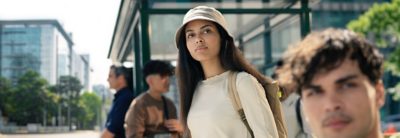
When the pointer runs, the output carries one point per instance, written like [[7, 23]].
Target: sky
[[90, 21]]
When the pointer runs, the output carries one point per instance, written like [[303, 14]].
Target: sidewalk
[[75, 134]]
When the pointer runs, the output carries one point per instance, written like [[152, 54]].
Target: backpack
[[271, 90]]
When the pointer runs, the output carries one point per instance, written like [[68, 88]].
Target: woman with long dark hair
[[207, 57]]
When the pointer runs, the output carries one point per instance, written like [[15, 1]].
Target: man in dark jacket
[[120, 79]]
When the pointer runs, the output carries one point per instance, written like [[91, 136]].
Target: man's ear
[[380, 93], [121, 79], [149, 80]]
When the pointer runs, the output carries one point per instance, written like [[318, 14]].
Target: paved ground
[[76, 134]]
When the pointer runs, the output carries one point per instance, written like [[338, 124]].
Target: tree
[[69, 89], [29, 100], [382, 23], [51, 108], [91, 104], [68, 84], [5, 90]]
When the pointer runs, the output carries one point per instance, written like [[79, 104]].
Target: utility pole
[[69, 108], [45, 118], [1, 48], [69, 87]]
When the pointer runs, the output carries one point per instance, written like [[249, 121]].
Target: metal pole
[[145, 47], [59, 112], [267, 44], [1, 48], [45, 118], [69, 110], [136, 47], [305, 18], [69, 89]]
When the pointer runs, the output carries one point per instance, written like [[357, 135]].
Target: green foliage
[[5, 90], [69, 89], [395, 92], [66, 85], [382, 22], [91, 105], [31, 99], [51, 105], [393, 62]]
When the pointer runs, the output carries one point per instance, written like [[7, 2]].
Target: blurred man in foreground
[[339, 79]]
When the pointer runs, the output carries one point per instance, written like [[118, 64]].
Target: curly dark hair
[[326, 50]]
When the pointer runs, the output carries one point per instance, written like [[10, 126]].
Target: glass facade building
[[81, 69], [39, 45], [20, 50]]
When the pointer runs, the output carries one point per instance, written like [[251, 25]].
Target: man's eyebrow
[[338, 81], [346, 78], [314, 87]]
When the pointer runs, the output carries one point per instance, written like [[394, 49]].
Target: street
[[76, 134]]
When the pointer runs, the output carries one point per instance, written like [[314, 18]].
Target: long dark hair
[[190, 72]]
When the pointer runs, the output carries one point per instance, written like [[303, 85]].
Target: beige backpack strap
[[275, 105], [236, 100]]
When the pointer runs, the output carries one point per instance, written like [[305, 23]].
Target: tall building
[[42, 46], [86, 69], [34, 45], [81, 69]]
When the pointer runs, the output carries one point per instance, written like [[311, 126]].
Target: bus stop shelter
[[263, 29]]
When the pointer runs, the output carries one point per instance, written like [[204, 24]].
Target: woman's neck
[[212, 68]]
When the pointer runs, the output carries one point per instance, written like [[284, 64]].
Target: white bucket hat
[[202, 13]]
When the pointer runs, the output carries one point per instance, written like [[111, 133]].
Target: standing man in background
[[120, 79], [151, 114]]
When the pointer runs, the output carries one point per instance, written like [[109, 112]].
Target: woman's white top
[[212, 114]]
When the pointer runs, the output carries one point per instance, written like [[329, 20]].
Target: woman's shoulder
[[246, 81], [244, 76]]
